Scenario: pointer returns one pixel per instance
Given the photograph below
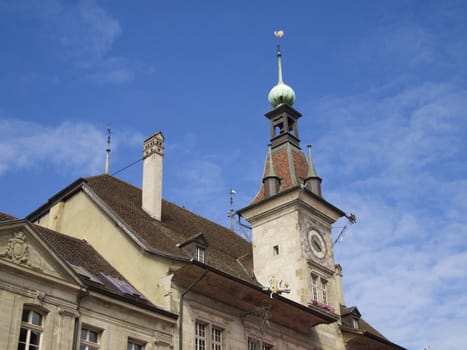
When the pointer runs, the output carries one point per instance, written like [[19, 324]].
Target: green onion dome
[[281, 93]]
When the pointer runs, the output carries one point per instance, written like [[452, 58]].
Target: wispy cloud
[[66, 148], [103, 28], [85, 33], [403, 159]]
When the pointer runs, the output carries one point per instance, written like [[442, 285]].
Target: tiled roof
[[78, 252], [362, 324], [5, 217], [177, 225], [290, 165]]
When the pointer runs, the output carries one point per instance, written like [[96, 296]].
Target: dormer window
[[200, 254], [196, 248], [350, 317]]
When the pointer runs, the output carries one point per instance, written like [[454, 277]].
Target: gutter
[[82, 293], [182, 296]]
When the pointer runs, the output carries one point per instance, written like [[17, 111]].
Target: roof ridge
[[167, 201], [113, 178]]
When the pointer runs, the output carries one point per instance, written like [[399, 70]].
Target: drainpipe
[[82, 293], [180, 327]]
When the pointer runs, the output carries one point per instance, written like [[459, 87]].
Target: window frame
[[314, 288], [200, 254], [324, 291], [86, 344], [217, 344], [200, 339], [206, 340], [30, 327], [355, 323], [132, 343], [256, 344]]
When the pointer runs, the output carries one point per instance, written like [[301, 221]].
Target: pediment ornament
[[17, 250]]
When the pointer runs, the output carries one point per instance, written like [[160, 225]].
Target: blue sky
[[382, 86]]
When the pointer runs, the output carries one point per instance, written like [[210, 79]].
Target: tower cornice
[[296, 197]]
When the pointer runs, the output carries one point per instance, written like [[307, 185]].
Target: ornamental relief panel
[[17, 250]]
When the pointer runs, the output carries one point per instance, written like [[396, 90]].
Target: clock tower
[[291, 221]]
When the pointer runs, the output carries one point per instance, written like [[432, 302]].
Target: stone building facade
[[57, 292]]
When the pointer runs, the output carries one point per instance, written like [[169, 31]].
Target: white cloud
[[67, 147], [404, 162]]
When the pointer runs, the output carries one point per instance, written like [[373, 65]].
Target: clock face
[[316, 243]]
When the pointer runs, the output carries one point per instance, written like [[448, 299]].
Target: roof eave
[[364, 333], [335, 209], [223, 287]]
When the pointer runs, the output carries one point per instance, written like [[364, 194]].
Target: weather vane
[[279, 33]]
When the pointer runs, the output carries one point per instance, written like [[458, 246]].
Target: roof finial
[[311, 167], [281, 93], [107, 151], [271, 181], [312, 181], [279, 34]]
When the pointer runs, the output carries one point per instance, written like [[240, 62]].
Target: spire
[[312, 181], [281, 93], [271, 171], [107, 153], [271, 181], [311, 167], [279, 64]]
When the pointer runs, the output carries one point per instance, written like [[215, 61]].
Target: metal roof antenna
[[231, 210], [107, 153]]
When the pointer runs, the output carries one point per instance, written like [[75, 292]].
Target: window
[[134, 345], [253, 344], [355, 323], [200, 254], [275, 250], [31, 330], [314, 287], [204, 341], [89, 339], [256, 345], [216, 338], [324, 291], [200, 336]]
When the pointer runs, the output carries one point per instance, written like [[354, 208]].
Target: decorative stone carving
[[17, 250], [39, 295]]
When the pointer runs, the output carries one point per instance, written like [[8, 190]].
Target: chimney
[[152, 175]]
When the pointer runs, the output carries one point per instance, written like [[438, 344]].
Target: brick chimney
[[153, 154]]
